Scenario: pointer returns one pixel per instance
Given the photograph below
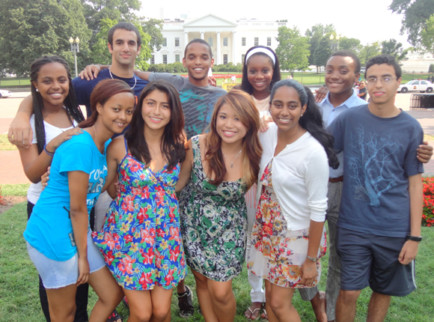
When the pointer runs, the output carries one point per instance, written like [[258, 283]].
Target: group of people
[[257, 171]]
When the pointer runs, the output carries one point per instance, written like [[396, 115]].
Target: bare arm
[[184, 175], [410, 248], [20, 132], [309, 271], [143, 75], [35, 164], [115, 153], [78, 182], [424, 152]]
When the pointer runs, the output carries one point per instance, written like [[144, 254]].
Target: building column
[[218, 50], [235, 45], [185, 38], [202, 35]]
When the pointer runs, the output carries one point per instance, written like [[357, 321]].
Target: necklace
[[135, 79], [231, 164]]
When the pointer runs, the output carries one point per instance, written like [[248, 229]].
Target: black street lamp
[[75, 48]]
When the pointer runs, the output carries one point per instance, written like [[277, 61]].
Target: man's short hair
[[199, 41], [384, 59], [125, 26], [349, 53]]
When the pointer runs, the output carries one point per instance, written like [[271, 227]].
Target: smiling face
[[198, 61], [229, 126], [125, 48], [286, 109], [117, 111], [340, 75], [260, 74], [383, 90], [156, 111], [53, 84]]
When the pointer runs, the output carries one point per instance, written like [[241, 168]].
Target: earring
[[37, 90]]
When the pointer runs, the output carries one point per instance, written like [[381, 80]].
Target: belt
[[337, 179]]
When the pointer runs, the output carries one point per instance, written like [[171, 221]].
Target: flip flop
[[253, 312]]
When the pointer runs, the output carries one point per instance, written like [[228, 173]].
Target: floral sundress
[[213, 223], [277, 253], [140, 240]]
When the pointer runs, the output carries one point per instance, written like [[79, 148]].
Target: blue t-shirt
[[379, 156], [49, 228], [83, 88], [197, 102]]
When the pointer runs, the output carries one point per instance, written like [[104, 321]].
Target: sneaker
[[185, 303]]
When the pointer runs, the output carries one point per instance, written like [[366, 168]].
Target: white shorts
[[58, 274]]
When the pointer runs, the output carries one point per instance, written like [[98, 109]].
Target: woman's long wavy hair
[[245, 85], [244, 106], [312, 119], [102, 92], [70, 102], [173, 140]]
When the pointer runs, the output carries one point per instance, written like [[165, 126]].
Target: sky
[[367, 20]]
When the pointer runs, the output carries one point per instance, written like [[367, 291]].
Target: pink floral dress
[[278, 253], [141, 241]]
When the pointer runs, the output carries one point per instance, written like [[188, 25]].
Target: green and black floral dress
[[213, 223]]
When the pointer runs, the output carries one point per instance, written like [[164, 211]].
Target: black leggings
[[80, 296]]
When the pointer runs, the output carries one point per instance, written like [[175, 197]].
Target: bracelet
[[414, 238], [51, 154], [313, 259]]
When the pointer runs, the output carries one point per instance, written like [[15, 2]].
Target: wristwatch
[[313, 259], [414, 238]]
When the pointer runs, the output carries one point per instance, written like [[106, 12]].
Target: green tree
[[368, 52], [153, 28], [427, 35], [293, 49], [352, 44], [31, 29], [320, 46], [394, 48], [416, 14]]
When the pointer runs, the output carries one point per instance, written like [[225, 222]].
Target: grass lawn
[[19, 300]]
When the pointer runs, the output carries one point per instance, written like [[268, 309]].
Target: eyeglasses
[[383, 79]]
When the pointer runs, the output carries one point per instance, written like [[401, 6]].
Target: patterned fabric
[[213, 223], [140, 240], [277, 253]]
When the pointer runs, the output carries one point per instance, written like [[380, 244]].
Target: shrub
[[428, 202]]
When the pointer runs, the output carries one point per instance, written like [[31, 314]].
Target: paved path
[[11, 171]]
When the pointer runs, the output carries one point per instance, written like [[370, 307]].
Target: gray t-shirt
[[197, 102], [379, 156]]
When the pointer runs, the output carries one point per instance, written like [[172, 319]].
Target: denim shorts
[[57, 274]]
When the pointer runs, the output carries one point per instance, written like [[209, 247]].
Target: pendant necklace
[[235, 157], [135, 79]]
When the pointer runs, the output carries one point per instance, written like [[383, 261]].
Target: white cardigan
[[300, 174]]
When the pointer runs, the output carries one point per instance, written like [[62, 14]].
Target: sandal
[[264, 315], [114, 317], [253, 312]]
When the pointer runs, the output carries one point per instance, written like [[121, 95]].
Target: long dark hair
[[245, 85], [244, 106], [173, 140], [312, 119], [102, 92], [70, 102]]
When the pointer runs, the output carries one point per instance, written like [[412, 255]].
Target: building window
[[177, 58], [243, 41], [225, 58], [153, 60], [268, 41], [164, 59], [176, 41], [210, 41], [164, 42], [225, 41], [256, 41]]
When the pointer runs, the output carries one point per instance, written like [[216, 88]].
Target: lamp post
[[334, 44], [75, 48]]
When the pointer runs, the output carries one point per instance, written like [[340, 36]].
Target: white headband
[[261, 50]]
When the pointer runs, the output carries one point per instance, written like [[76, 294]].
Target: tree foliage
[[320, 44], [352, 44], [427, 35], [31, 29], [368, 52], [394, 48], [153, 28], [293, 49], [416, 14]]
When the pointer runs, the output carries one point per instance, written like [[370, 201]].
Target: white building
[[417, 62], [229, 40]]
